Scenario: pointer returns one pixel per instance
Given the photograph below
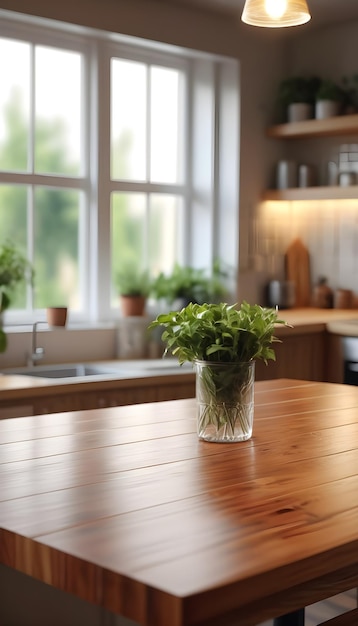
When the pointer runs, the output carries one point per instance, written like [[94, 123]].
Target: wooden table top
[[126, 508]]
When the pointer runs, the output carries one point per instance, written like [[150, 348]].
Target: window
[[41, 185], [112, 154], [147, 149]]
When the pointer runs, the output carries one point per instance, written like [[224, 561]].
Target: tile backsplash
[[329, 230]]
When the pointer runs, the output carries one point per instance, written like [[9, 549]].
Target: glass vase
[[225, 400]]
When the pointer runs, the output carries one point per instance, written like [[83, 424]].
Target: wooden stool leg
[[296, 618]]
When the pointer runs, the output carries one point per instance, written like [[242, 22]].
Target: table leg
[[296, 618]]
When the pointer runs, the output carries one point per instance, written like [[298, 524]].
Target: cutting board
[[297, 266]]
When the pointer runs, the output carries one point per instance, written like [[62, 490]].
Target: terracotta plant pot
[[132, 305], [56, 315]]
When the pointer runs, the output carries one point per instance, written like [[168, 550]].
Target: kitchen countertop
[[125, 508], [147, 372], [309, 320]]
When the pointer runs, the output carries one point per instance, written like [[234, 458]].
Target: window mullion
[[31, 169], [146, 225], [31, 146], [30, 239], [148, 126]]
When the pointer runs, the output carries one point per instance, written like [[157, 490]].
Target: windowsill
[[27, 328]]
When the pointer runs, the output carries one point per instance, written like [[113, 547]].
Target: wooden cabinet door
[[299, 357]]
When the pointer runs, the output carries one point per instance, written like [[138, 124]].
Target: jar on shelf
[[322, 295], [286, 175]]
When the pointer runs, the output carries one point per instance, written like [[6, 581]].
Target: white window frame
[[211, 193], [37, 35]]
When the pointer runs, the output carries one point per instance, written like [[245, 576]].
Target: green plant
[[298, 89], [190, 284], [219, 332], [14, 270], [133, 282], [329, 90], [223, 341], [350, 90]]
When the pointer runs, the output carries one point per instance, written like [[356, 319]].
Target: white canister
[[286, 176], [306, 176]]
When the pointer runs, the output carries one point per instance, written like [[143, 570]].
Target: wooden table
[[125, 508]]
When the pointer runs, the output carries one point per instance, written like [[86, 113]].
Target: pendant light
[[275, 13]]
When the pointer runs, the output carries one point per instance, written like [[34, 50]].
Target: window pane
[[128, 120], [128, 233], [14, 105], [56, 224], [165, 132], [13, 226], [165, 232], [58, 111]]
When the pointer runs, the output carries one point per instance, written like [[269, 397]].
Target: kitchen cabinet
[[88, 397], [331, 127], [300, 357]]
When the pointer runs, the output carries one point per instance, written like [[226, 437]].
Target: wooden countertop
[[17, 387], [309, 320], [126, 508]]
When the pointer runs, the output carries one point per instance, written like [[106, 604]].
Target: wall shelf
[[313, 193], [330, 127]]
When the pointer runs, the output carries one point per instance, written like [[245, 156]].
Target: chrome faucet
[[37, 352]]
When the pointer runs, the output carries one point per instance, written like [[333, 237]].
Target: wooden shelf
[[313, 193], [333, 126]]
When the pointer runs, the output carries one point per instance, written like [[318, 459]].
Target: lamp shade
[[275, 13]]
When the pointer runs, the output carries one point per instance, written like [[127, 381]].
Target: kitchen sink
[[125, 369], [66, 371]]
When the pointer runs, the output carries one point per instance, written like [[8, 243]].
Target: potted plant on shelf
[[350, 91], [14, 270], [329, 99], [133, 287], [223, 342], [296, 97]]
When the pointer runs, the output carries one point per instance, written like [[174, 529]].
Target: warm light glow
[[275, 8], [275, 13]]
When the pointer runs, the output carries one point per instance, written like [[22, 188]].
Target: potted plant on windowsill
[[133, 287], [14, 270], [223, 342], [189, 284]]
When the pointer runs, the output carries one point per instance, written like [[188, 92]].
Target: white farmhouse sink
[[66, 371], [124, 369]]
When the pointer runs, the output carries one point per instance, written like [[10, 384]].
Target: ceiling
[[322, 11]]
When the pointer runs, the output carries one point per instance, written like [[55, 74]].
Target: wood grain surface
[[298, 271], [125, 508]]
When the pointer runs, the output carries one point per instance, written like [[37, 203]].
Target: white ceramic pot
[[326, 109], [299, 111]]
